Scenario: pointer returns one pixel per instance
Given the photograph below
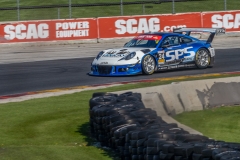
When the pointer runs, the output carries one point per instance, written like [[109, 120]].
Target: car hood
[[122, 52], [112, 56]]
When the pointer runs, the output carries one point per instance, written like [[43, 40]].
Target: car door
[[170, 53], [187, 45]]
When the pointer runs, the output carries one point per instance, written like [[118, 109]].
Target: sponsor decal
[[114, 55], [123, 51], [174, 61], [72, 29], [179, 54], [172, 67], [26, 31], [104, 63], [188, 59], [228, 21], [190, 65], [111, 52], [161, 61], [141, 25], [181, 65], [149, 37], [160, 56], [162, 68], [212, 51]]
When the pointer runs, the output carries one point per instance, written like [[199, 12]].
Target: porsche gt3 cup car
[[157, 51]]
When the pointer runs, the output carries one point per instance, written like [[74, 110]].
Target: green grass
[[84, 12], [58, 127], [218, 123], [50, 128]]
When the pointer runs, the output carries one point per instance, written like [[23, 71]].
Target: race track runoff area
[[137, 123]]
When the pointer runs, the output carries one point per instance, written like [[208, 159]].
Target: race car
[[157, 51]]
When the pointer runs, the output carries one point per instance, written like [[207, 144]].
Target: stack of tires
[[122, 123]]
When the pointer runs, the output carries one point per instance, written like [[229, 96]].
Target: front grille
[[104, 69]]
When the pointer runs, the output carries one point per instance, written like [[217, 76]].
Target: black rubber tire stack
[[122, 123]]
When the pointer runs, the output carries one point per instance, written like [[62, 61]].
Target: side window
[[185, 40], [171, 41]]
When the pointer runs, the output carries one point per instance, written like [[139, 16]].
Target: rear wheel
[[202, 58], [148, 64]]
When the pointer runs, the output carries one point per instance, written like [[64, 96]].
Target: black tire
[[102, 100], [202, 58], [127, 98], [97, 94], [148, 64]]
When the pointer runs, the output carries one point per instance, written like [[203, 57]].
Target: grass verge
[[58, 127], [218, 123]]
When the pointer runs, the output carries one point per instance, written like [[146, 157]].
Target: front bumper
[[121, 70]]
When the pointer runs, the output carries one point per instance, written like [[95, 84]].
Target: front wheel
[[202, 58], [148, 64]]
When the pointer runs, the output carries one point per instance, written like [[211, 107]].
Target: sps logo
[[179, 54], [142, 25]]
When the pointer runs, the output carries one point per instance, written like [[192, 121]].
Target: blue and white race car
[[158, 51]]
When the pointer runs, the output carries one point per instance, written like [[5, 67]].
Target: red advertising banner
[[52, 30], [110, 27], [229, 20], [127, 26]]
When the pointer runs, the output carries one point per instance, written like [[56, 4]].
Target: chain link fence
[[19, 10]]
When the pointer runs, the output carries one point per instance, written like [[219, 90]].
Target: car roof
[[162, 33]]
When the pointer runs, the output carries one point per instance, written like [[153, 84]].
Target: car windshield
[[149, 41]]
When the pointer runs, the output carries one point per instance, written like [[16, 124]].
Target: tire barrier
[[122, 122]]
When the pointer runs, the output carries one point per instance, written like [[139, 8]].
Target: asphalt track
[[23, 77]]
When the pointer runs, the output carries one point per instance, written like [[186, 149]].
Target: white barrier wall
[[171, 99]]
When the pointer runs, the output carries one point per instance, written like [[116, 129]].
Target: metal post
[[121, 5], [143, 8], [173, 7], [58, 13], [70, 8], [225, 5], [18, 11]]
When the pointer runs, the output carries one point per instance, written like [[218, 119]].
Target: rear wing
[[212, 31]]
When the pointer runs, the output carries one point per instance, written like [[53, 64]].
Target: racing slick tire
[[202, 58], [148, 65]]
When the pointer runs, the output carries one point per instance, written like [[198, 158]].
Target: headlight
[[99, 55], [129, 56]]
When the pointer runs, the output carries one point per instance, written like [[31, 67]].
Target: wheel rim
[[149, 64], [203, 58]]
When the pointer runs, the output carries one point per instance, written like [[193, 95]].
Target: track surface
[[42, 75]]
